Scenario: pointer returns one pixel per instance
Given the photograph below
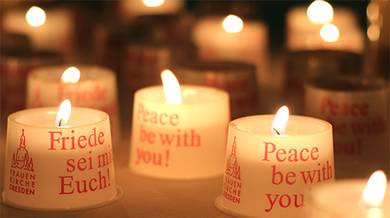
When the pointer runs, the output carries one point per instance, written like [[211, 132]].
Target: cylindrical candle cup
[[266, 175], [58, 168], [183, 141]]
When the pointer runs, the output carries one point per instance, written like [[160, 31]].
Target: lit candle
[[351, 198], [85, 86], [179, 132], [59, 160], [215, 36], [48, 29], [271, 161], [319, 26], [234, 39]]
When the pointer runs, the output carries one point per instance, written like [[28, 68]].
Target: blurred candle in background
[[232, 38], [314, 27], [378, 54], [358, 110], [50, 29]]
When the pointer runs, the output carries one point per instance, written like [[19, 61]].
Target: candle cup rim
[[13, 118], [363, 85], [222, 95], [103, 73], [326, 124]]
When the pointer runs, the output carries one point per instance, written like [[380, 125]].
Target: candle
[[231, 38], [58, 160], [48, 29], [358, 110], [271, 161], [319, 26], [356, 198], [85, 86], [179, 132]]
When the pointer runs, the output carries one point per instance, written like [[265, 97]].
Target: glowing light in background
[[232, 24], [71, 75], [372, 11], [373, 32], [320, 12], [329, 33], [35, 16], [153, 3]]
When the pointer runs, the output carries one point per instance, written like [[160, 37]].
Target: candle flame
[[320, 12], [171, 87], [232, 24], [280, 121], [35, 16], [329, 33], [153, 3], [71, 75], [374, 192], [63, 113]]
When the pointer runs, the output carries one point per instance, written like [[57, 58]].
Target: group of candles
[[273, 165]]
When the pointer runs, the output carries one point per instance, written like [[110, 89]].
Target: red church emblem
[[21, 159], [232, 179], [232, 167]]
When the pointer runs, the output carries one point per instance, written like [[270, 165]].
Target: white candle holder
[[179, 141], [59, 168], [266, 175]]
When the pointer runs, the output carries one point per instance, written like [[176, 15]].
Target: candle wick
[[59, 123], [276, 131]]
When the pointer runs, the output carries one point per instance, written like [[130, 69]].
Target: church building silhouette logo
[[233, 168], [21, 159], [232, 180]]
